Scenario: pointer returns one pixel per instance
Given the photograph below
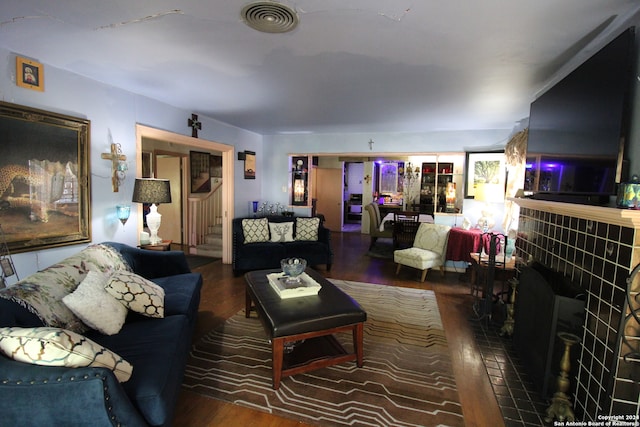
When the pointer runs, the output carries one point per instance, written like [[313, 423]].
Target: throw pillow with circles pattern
[[137, 293]]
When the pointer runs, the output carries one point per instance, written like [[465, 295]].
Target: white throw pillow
[[137, 293], [60, 347], [94, 306], [281, 231], [307, 228], [255, 230]]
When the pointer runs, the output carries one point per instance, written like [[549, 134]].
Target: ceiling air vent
[[269, 17]]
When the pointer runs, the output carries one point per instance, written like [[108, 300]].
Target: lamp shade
[[489, 193], [151, 190]]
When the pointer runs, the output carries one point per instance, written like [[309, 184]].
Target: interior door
[[168, 167], [329, 197]]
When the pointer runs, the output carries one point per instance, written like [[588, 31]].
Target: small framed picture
[[29, 74], [484, 167], [200, 172], [7, 269]]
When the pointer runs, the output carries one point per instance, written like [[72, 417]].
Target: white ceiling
[[349, 66]]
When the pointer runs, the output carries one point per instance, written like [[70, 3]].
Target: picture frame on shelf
[[46, 201], [483, 167]]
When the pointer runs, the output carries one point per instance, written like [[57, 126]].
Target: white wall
[[113, 114]]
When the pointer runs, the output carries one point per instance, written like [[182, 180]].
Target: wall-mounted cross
[[115, 156], [195, 125], [370, 144]]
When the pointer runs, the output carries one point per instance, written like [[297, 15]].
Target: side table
[[462, 243], [165, 245]]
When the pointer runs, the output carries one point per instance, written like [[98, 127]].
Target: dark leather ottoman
[[310, 321]]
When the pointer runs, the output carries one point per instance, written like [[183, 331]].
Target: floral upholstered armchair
[[428, 251]]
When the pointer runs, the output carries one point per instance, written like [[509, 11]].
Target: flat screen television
[[579, 127]]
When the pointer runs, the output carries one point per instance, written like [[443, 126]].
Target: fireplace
[[597, 248], [547, 303]]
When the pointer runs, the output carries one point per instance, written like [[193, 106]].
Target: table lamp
[[152, 191], [450, 197], [488, 193]]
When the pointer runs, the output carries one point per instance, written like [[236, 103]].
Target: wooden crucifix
[[195, 125], [115, 156]]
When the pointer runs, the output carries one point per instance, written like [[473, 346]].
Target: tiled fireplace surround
[[597, 247]]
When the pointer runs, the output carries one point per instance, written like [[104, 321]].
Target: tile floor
[[520, 404]]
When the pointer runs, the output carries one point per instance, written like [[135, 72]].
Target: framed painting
[[200, 172], [483, 167], [45, 186], [216, 166], [249, 165], [29, 74], [7, 267]]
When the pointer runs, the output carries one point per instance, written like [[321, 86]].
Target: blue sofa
[[157, 349], [266, 255]]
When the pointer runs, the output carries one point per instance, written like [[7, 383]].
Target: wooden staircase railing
[[205, 212]]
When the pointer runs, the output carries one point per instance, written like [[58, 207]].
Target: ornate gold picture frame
[[45, 184]]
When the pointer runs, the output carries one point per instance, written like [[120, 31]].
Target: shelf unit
[[433, 185]]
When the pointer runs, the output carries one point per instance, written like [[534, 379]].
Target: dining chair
[[406, 216]]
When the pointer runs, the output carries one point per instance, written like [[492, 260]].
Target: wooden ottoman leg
[[358, 343], [398, 269], [247, 304], [277, 353]]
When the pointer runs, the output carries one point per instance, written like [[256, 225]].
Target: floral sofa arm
[[82, 396]]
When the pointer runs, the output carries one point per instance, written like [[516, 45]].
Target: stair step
[[213, 239], [214, 251], [215, 229]]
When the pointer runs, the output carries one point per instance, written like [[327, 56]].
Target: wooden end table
[[165, 245]]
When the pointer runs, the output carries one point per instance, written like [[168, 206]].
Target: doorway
[[170, 166], [329, 197], [353, 190], [178, 142]]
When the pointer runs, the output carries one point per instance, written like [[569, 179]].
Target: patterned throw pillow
[[59, 347], [255, 230], [307, 228], [281, 231], [137, 293], [95, 307], [41, 293]]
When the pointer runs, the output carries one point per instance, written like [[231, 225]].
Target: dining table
[[389, 217]]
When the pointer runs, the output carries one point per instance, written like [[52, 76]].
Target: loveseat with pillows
[[98, 339], [260, 243]]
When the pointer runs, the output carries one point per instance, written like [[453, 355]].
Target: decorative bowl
[[293, 268]]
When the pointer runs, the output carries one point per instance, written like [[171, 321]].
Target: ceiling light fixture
[[269, 17]]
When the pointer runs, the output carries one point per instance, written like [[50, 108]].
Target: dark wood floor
[[223, 296]]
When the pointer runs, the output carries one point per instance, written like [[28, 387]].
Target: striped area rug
[[407, 378]]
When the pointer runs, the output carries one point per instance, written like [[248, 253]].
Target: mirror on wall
[[388, 177]]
